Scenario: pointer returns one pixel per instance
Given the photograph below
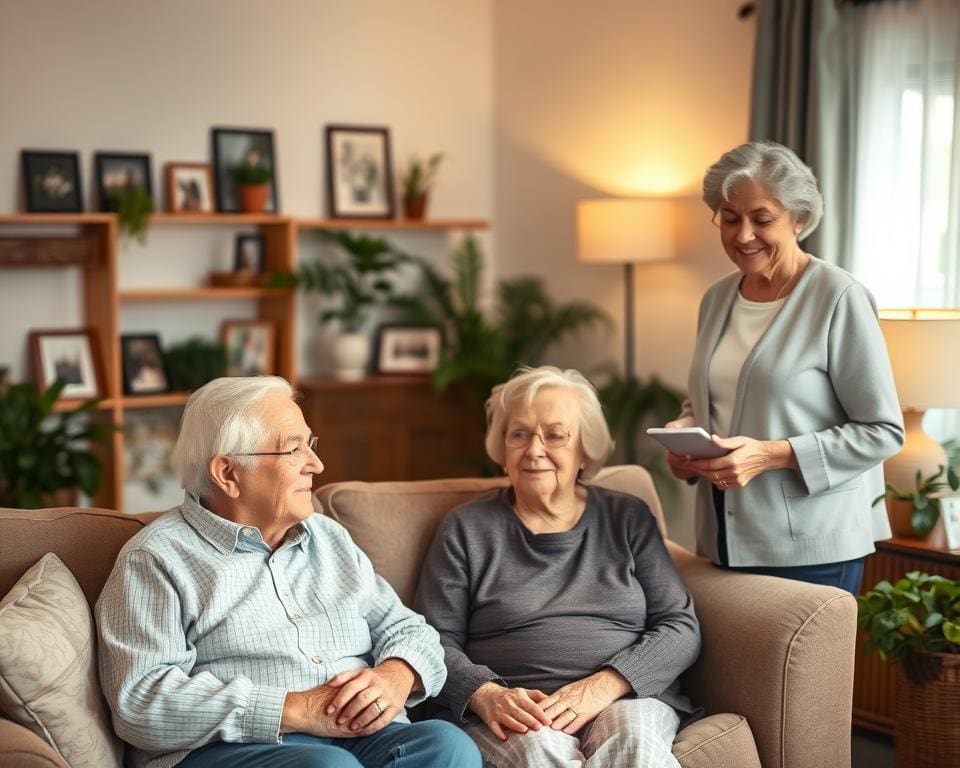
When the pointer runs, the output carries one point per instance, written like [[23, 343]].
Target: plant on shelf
[[417, 180], [133, 205], [194, 362], [252, 179], [914, 513], [44, 453]]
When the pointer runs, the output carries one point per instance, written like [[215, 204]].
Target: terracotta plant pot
[[253, 197], [415, 207]]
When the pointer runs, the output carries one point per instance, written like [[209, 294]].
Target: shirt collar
[[228, 536]]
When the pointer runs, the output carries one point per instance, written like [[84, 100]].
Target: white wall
[[623, 97], [133, 75]]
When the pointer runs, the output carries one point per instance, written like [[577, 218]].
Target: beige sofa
[[778, 654]]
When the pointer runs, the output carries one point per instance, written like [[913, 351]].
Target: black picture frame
[[407, 350], [230, 147], [359, 172], [120, 169], [144, 369], [248, 253], [51, 181]]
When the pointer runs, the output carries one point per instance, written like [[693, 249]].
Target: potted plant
[[914, 513], [915, 624], [417, 180], [252, 179], [194, 362], [133, 205], [359, 277], [45, 456]]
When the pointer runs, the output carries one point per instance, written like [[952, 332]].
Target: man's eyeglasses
[[554, 437], [311, 445]]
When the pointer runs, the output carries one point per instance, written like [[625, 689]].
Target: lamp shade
[[626, 230], [919, 342]]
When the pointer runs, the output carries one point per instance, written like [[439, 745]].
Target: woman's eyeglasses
[[553, 437]]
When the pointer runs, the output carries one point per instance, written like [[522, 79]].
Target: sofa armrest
[[779, 652], [22, 748]]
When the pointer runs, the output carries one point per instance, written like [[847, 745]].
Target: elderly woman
[[790, 374], [563, 621]]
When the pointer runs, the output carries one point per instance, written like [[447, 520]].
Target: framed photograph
[[236, 147], [70, 354], [248, 253], [359, 172], [144, 372], [408, 349], [950, 512], [116, 171], [51, 181], [189, 187], [250, 345]]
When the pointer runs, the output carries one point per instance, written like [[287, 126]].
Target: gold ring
[[723, 484], [575, 715], [379, 706]]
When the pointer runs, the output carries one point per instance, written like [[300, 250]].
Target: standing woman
[[790, 373]]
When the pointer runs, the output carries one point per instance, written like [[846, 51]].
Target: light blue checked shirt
[[203, 629]]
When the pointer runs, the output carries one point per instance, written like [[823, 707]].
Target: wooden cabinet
[[873, 689]]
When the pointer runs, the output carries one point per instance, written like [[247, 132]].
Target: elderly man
[[241, 629]]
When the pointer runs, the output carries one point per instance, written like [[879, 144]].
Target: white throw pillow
[[48, 666]]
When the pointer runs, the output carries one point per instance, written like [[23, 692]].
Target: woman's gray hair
[[775, 167], [522, 388], [222, 417]]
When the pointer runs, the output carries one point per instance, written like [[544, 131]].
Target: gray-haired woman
[[791, 374], [563, 621]]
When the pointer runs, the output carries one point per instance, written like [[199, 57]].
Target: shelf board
[[69, 404], [201, 294], [154, 401], [426, 225], [221, 219], [368, 382], [56, 218]]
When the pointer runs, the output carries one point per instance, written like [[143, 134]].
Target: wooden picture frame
[[250, 346], [144, 371], [248, 253], [233, 147], [51, 181], [116, 170], [408, 349], [359, 172], [189, 187], [71, 354]]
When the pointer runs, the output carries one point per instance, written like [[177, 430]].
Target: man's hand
[[368, 699], [516, 709], [576, 704], [305, 712]]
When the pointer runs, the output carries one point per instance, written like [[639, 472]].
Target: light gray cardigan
[[819, 377]]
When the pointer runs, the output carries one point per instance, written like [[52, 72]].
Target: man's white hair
[[222, 417]]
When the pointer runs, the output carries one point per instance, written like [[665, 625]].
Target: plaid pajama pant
[[630, 733]]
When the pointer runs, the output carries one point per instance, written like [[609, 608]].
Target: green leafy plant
[[918, 613], [194, 362], [420, 175], [926, 507], [632, 404], [250, 174], [133, 206], [42, 451], [360, 277]]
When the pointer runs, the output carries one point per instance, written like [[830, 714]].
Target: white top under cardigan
[[819, 377]]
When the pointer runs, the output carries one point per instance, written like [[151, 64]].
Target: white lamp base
[[920, 451]]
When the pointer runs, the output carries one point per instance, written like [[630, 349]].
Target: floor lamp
[[919, 342]]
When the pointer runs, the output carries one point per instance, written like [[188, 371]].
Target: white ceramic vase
[[351, 352]]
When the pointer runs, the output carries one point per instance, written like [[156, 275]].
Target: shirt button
[[317, 660], [247, 531]]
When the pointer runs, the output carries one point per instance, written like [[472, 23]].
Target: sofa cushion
[[48, 668], [717, 740]]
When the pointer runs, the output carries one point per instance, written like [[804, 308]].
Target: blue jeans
[[846, 574], [428, 744]]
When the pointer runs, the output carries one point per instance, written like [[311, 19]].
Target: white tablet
[[693, 442]]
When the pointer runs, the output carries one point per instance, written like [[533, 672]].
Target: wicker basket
[[927, 714]]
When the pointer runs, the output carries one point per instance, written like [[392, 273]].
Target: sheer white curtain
[[906, 189]]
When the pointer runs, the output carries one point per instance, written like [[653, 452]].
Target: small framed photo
[[950, 512], [234, 148], [408, 349], [144, 372], [249, 345], [51, 181], [359, 172], [70, 354], [248, 253], [116, 171], [189, 187]]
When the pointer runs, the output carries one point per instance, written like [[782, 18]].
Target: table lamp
[[626, 231], [919, 342]]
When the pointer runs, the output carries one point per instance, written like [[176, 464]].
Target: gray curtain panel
[[804, 80]]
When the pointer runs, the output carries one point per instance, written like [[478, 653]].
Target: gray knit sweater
[[543, 610]]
